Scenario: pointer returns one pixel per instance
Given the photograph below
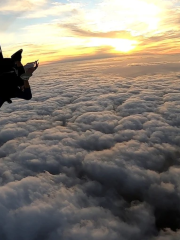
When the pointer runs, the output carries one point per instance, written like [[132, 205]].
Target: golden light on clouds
[[135, 15], [59, 29]]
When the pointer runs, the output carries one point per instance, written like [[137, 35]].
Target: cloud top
[[94, 155]]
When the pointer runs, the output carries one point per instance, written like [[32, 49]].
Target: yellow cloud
[[138, 16]]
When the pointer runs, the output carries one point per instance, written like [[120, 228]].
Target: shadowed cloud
[[87, 33], [94, 155]]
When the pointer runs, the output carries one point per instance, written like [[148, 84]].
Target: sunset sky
[[67, 30]]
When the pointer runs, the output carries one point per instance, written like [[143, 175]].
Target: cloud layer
[[94, 155]]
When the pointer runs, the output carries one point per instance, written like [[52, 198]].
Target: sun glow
[[137, 16], [121, 45]]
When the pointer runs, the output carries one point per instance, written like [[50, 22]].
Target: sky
[[94, 154], [69, 30]]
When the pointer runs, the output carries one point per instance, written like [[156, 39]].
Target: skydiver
[[14, 77]]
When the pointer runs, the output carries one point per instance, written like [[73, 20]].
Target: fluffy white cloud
[[94, 155]]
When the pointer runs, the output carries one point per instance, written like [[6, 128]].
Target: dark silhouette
[[14, 77]]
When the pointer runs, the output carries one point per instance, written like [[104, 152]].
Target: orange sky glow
[[60, 30]]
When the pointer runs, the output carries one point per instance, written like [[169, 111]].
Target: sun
[[123, 45], [119, 45]]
